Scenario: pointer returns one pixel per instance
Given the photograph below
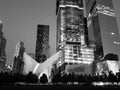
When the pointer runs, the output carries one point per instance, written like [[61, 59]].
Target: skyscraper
[[42, 43], [72, 35], [2, 48], [102, 27], [69, 22], [18, 63]]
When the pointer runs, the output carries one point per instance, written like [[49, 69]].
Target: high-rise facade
[[70, 27], [72, 35], [103, 31], [42, 43], [18, 63], [102, 27]]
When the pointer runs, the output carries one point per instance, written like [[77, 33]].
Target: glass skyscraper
[[103, 31], [102, 23], [70, 24], [72, 35], [42, 43]]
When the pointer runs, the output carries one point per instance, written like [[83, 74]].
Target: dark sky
[[21, 17]]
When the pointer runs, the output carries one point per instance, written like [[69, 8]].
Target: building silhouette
[[72, 37], [2, 48], [42, 51], [18, 64]]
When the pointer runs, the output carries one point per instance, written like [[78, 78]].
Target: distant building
[[42, 51], [2, 48], [18, 64]]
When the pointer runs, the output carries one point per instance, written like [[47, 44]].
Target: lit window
[[112, 33], [116, 42]]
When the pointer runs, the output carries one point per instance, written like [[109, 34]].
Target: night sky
[[21, 17]]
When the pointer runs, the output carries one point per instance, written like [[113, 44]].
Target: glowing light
[[87, 54], [98, 84], [89, 23], [112, 33], [105, 10], [73, 6], [113, 66], [116, 42], [35, 68], [78, 62]]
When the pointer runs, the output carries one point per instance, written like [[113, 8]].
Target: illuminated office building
[[103, 30], [72, 35], [102, 26], [42, 43], [70, 27]]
